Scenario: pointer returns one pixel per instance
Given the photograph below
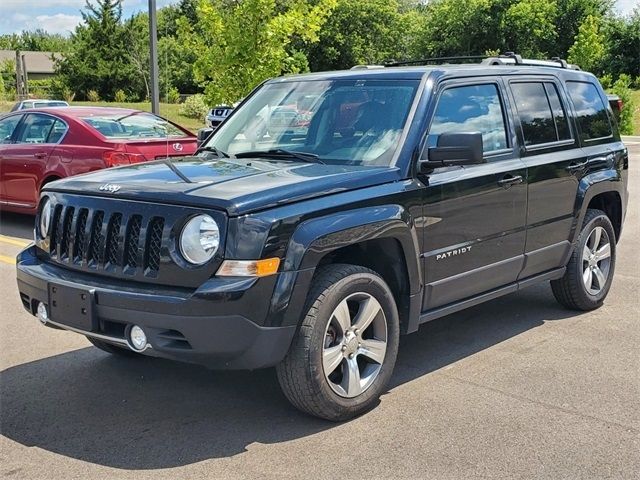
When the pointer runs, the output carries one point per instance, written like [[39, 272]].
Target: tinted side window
[[7, 126], [535, 113], [559, 113], [36, 129], [474, 108], [591, 111]]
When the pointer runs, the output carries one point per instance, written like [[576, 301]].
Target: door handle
[[576, 167], [40, 155], [509, 180]]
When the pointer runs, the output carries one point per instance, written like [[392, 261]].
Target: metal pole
[[19, 79], [153, 57]]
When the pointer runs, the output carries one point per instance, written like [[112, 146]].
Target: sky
[[61, 16]]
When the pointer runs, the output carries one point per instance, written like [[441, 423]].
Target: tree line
[[223, 48]]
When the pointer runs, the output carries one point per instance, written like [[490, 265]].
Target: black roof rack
[[507, 58]]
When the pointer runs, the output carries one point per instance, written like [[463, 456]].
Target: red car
[[41, 145]]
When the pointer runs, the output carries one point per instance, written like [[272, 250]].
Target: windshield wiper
[[281, 153], [219, 153], [175, 170]]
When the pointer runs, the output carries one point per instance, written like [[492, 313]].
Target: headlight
[[45, 217], [200, 239]]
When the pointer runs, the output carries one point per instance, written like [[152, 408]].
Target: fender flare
[[315, 238], [591, 185]]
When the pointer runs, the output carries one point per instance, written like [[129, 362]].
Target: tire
[[329, 332], [572, 290], [112, 349]]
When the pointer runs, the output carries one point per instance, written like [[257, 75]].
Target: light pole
[[153, 58]]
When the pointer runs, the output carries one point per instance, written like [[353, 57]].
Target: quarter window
[[541, 114], [473, 108], [590, 111]]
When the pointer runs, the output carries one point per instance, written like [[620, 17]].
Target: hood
[[238, 186]]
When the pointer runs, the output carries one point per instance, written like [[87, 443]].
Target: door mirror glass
[[203, 135], [463, 148]]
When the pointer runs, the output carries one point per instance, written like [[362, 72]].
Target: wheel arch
[[382, 238], [602, 191]]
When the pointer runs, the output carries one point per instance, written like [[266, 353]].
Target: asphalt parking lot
[[516, 388]]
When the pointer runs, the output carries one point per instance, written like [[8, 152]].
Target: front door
[[8, 127], [475, 215]]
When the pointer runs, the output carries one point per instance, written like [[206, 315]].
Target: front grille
[[99, 236], [123, 239]]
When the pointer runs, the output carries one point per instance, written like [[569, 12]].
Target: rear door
[[551, 153], [474, 215], [25, 160]]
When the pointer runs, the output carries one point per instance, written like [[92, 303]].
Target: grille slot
[[66, 232], [53, 244], [131, 245], [113, 233], [79, 243], [154, 243], [94, 256]]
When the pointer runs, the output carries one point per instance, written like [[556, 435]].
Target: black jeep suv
[[332, 212]]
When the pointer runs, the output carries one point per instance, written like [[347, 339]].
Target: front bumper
[[219, 325]]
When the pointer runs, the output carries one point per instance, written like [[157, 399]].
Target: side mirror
[[203, 135], [463, 148]]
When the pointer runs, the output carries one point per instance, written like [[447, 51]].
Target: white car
[[38, 103]]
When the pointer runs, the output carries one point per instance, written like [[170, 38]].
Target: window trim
[[575, 110], [472, 82], [546, 145], [28, 114]]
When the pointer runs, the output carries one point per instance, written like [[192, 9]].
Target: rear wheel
[[343, 355], [589, 274]]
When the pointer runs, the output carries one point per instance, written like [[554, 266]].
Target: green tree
[[589, 48], [240, 44], [572, 14], [37, 40], [359, 32], [529, 27], [622, 55], [98, 58]]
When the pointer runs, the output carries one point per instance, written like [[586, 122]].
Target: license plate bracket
[[72, 306]]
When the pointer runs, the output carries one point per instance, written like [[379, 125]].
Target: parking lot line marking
[[14, 241], [9, 260]]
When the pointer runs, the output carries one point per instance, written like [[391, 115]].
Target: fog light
[[137, 337], [42, 313]]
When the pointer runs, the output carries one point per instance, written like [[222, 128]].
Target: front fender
[[315, 238]]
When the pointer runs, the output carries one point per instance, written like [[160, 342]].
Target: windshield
[[355, 122], [133, 125]]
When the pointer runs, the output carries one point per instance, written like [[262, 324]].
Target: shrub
[[93, 96], [621, 87], [120, 96], [194, 107], [68, 95], [173, 96]]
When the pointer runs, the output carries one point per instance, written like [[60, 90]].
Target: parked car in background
[[41, 145], [38, 103], [216, 115], [616, 104]]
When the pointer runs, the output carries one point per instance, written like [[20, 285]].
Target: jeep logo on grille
[[109, 187]]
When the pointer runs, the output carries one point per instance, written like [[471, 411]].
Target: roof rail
[[507, 58]]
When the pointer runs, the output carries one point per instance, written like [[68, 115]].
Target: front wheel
[[343, 355], [589, 274]]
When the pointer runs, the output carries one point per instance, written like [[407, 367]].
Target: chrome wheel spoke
[[342, 316], [587, 277], [597, 233], [351, 378], [374, 350], [369, 309], [603, 252], [600, 277], [586, 253], [331, 359]]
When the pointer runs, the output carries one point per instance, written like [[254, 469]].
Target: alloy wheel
[[596, 260]]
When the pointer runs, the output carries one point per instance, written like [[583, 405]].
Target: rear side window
[[541, 114], [7, 127], [591, 111], [36, 129], [473, 108]]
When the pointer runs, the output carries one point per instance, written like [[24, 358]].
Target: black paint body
[[443, 240]]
